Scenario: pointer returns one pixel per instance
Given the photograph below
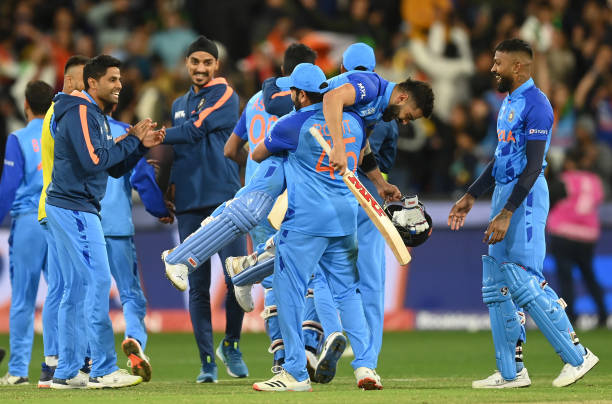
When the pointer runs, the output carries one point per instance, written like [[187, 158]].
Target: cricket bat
[[277, 213], [372, 208]]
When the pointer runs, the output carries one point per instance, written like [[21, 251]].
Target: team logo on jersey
[[201, 104], [511, 115], [179, 114]]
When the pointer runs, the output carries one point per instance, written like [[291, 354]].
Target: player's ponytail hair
[[421, 94]]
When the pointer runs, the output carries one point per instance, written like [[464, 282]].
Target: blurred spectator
[[170, 42], [448, 43], [573, 224], [597, 155], [448, 63], [563, 126]]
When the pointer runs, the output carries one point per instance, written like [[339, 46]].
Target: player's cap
[[359, 54], [305, 76]]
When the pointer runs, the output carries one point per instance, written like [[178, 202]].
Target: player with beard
[[512, 271], [373, 99], [85, 154], [202, 121]]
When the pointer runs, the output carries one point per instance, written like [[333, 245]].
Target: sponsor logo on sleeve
[[362, 90], [179, 114], [538, 131]]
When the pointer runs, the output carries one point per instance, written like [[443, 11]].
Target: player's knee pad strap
[[255, 273], [269, 311], [545, 310], [276, 345], [312, 326], [506, 326], [239, 216]]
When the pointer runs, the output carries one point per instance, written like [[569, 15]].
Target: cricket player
[[73, 80], [255, 122], [116, 218], [85, 154], [320, 228], [20, 188], [416, 99], [203, 119], [512, 271]]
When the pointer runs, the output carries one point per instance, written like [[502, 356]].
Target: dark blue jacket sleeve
[[12, 174], [219, 111], [143, 181], [92, 154], [126, 165], [276, 101]]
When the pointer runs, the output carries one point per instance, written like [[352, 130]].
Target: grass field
[[424, 367]]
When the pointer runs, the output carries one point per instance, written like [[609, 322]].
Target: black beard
[[504, 85], [390, 113], [297, 104]]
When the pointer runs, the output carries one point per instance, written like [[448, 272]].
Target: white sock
[[51, 360]]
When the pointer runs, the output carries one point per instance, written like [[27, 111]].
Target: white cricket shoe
[[10, 380], [176, 273], [80, 381], [570, 374], [119, 378], [137, 360], [244, 298], [367, 379], [496, 381], [283, 381]]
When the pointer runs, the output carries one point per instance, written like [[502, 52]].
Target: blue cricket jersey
[[116, 206], [372, 94], [525, 114], [252, 126], [21, 182], [383, 142], [319, 203]]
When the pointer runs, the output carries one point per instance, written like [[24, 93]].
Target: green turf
[[424, 367]]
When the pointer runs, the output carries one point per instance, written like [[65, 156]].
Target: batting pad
[[239, 216], [545, 310], [505, 322], [255, 274]]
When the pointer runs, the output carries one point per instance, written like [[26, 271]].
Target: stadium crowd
[[447, 43]]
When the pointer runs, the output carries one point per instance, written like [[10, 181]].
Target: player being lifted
[[512, 271], [320, 228], [255, 122]]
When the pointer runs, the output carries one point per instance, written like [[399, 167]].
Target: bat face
[[364, 192]]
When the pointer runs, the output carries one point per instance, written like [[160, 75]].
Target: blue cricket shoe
[[231, 357]]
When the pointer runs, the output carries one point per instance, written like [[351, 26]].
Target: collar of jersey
[[388, 91], [311, 107], [522, 88], [89, 96]]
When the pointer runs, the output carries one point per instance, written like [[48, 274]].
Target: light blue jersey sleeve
[[240, 128]]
